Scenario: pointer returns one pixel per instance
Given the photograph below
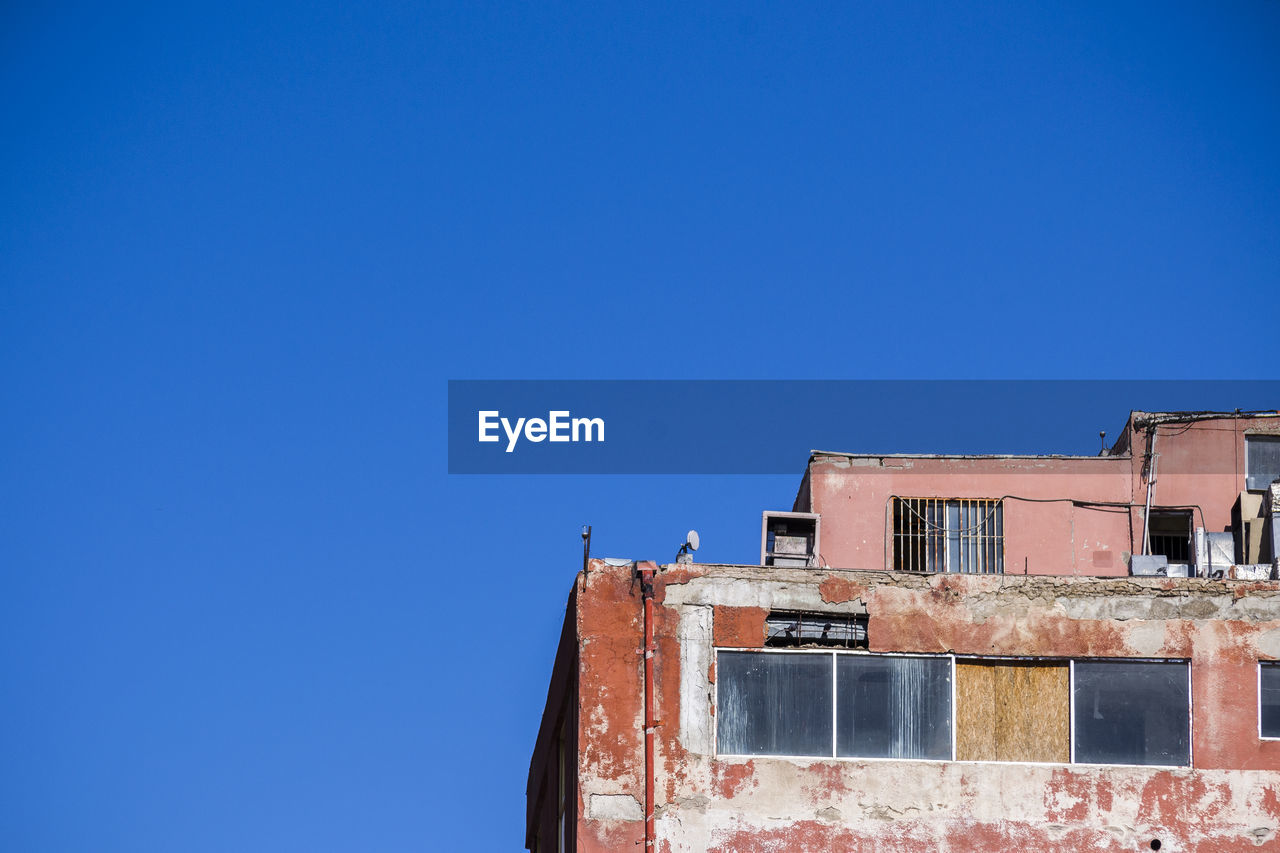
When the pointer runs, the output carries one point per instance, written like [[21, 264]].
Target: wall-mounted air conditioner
[[790, 539]]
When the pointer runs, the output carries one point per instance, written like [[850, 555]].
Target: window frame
[[854, 623], [1191, 739], [917, 506], [1185, 534], [1261, 438], [1273, 664], [997, 659], [835, 702], [952, 658]]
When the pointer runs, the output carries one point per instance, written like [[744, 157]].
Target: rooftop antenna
[[586, 546], [690, 544]]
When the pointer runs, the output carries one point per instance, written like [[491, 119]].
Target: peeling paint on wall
[[1226, 801]]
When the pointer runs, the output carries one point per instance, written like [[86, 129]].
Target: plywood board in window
[[1013, 711]]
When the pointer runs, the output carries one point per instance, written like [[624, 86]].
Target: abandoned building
[[943, 653]]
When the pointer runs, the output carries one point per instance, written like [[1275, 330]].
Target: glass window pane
[[773, 703], [889, 707], [1262, 455], [1269, 681], [954, 563], [1131, 712]]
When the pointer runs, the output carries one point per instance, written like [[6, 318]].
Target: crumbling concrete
[[1227, 800]]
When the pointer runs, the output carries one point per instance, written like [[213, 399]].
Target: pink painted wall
[[1200, 464], [1040, 538]]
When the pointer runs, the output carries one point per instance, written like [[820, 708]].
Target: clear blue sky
[[243, 606]]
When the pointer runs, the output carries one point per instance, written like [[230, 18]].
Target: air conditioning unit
[[790, 539], [1149, 565]]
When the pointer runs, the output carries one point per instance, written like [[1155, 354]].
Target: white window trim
[[1071, 713]]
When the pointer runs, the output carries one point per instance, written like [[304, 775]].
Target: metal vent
[[842, 630]]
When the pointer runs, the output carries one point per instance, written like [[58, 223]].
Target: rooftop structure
[[944, 654]]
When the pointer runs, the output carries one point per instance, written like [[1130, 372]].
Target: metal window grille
[[1170, 534], [948, 535], [816, 629], [1175, 548]]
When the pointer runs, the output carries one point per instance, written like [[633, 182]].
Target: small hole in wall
[[1155, 844]]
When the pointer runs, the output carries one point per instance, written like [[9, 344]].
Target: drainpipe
[[646, 592], [1151, 483]]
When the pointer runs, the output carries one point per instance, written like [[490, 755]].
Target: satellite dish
[[692, 540]]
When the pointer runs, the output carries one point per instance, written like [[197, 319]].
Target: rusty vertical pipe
[[646, 591]]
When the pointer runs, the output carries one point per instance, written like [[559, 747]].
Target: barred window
[[948, 535], [1170, 534]]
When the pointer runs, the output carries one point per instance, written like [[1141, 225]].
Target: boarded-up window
[[1013, 711]]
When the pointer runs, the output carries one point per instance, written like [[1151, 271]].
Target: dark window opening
[[773, 704], [1170, 534], [1269, 698], [839, 630], [893, 707], [852, 705], [784, 703], [1132, 712], [789, 539]]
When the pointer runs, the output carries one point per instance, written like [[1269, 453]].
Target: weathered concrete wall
[[611, 711], [791, 807], [1229, 800]]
